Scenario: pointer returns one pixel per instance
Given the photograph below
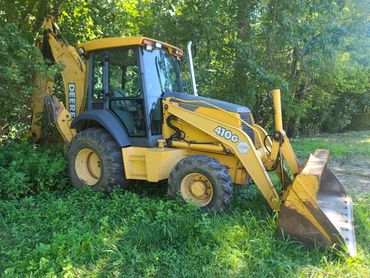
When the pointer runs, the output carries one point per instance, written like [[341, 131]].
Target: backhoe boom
[[56, 50], [130, 119]]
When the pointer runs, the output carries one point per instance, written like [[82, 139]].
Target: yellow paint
[[277, 108], [105, 43], [271, 159], [64, 121], [74, 68], [74, 71], [191, 132], [241, 176], [236, 170], [262, 134], [289, 156], [215, 112], [197, 123], [44, 87], [250, 159], [160, 162], [198, 147], [151, 164], [304, 190], [87, 166], [196, 188], [284, 147]]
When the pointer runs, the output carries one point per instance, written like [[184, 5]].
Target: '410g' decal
[[227, 134]]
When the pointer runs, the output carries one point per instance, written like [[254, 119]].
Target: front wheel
[[203, 181], [95, 160]]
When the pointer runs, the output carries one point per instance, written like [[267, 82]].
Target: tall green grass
[[340, 145], [83, 233], [142, 233], [28, 169]]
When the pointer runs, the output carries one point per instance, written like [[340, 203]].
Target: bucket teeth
[[316, 209]]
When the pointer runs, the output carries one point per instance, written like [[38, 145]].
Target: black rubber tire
[[216, 173], [109, 153]]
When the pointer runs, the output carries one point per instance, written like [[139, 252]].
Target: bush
[[20, 61], [26, 169]]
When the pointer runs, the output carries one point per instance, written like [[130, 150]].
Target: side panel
[[107, 120], [151, 164], [155, 164]]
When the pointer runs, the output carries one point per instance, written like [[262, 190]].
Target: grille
[[247, 117]]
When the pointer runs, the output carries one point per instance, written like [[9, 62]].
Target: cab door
[[116, 86]]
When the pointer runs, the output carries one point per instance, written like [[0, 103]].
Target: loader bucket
[[316, 209]]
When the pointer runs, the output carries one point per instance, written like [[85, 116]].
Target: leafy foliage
[[26, 169], [19, 62], [315, 51]]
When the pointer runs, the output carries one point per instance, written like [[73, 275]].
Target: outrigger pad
[[316, 209]]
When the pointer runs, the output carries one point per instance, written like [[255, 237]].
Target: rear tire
[[95, 160], [203, 181]]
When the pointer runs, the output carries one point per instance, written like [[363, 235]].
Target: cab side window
[[126, 99], [124, 73], [97, 92]]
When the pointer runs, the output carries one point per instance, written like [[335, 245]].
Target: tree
[[315, 51]]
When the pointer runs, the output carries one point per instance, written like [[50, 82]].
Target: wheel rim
[[87, 166], [197, 188]]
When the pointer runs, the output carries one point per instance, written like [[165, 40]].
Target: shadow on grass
[[136, 233]]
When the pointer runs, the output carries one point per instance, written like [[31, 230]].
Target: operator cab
[[129, 79]]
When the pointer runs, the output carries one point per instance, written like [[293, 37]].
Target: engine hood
[[231, 107]]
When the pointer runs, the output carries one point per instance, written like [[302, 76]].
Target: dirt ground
[[353, 173]]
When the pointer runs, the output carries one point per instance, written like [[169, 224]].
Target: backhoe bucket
[[316, 209]]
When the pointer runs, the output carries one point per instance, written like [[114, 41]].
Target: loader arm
[[281, 143], [243, 148], [313, 207], [56, 50]]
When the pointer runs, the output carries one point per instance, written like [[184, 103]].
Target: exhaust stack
[[191, 69]]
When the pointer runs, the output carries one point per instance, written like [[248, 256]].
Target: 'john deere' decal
[[227, 134], [72, 99]]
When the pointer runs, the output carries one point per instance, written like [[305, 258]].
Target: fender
[[107, 120]]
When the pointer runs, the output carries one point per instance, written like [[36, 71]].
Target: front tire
[[95, 160], [203, 181]]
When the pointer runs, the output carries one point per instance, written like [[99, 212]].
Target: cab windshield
[[161, 72]]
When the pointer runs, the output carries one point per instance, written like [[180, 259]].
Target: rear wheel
[[203, 181], [95, 160]]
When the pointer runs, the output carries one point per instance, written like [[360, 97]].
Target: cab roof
[[105, 43]]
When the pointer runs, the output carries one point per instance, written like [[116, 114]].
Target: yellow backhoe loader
[[126, 117]]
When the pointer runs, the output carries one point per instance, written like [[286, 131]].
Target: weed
[[346, 144], [27, 169], [141, 233]]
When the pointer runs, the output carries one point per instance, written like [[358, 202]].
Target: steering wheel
[[124, 105], [118, 92]]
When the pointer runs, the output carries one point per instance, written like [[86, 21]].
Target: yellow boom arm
[[313, 206], [243, 149], [56, 49]]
